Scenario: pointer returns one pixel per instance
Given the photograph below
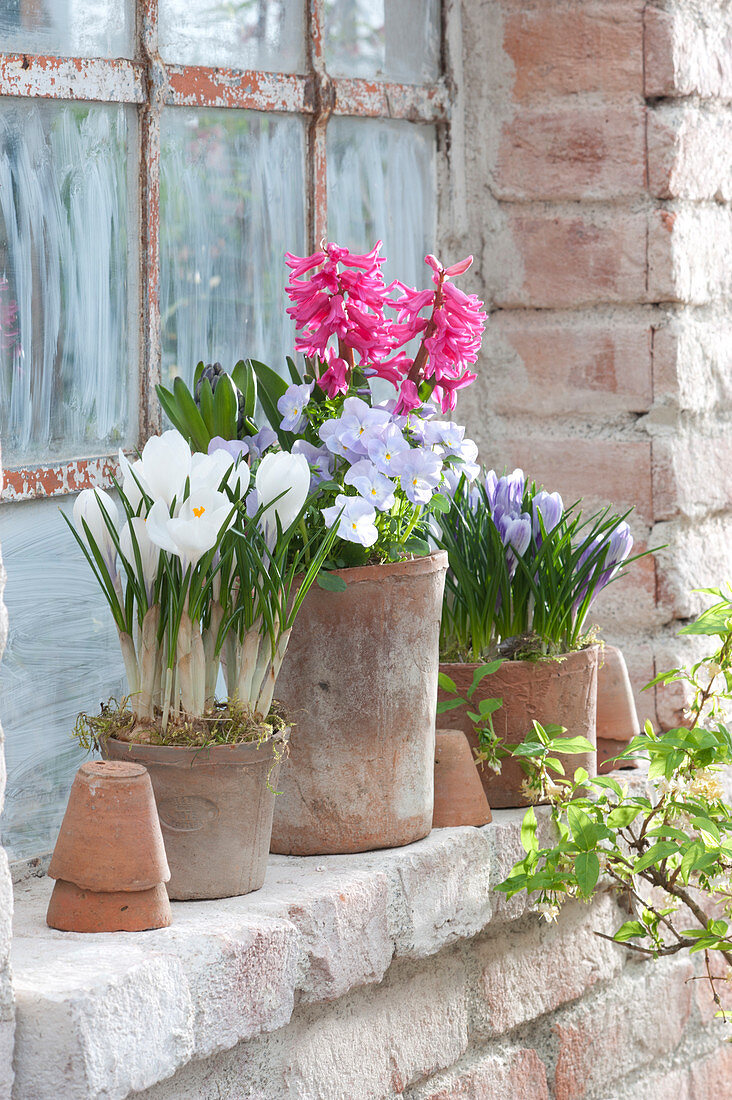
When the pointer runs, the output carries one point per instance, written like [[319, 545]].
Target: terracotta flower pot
[[617, 717], [109, 860], [359, 681], [215, 809], [563, 692], [459, 795]]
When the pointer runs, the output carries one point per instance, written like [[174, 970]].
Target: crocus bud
[[89, 508], [149, 552], [550, 507], [281, 473]]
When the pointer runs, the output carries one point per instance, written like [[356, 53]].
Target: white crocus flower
[[211, 469], [133, 480], [166, 464], [281, 473], [196, 527], [88, 509], [149, 551]]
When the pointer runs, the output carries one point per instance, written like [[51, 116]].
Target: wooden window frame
[[151, 84]]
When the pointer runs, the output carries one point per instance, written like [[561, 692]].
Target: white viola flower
[[149, 552], [89, 509], [201, 520], [332, 432], [372, 485], [282, 483], [420, 472], [260, 442], [166, 464], [359, 423], [319, 459], [383, 451], [292, 404], [356, 520]]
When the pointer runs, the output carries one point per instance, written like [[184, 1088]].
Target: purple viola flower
[[291, 405], [372, 485], [356, 519], [515, 532], [550, 507], [361, 423], [384, 449], [509, 493], [319, 459], [420, 471], [261, 442], [237, 448]]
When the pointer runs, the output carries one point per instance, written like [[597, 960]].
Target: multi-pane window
[[156, 161]]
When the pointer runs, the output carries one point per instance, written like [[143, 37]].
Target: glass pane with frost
[[396, 40], [231, 205], [68, 28], [381, 186], [67, 359], [62, 658], [249, 34]]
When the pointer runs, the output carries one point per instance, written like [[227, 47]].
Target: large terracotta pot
[[562, 692], [359, 682], [215, 807]]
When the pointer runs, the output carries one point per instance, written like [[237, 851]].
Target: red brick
[[571, 260], [518, 1073], [639, 1020], [601, 471], [711, 1077], [572, 153], [658, 48], [560, 367], [565, 49], [525, 975]]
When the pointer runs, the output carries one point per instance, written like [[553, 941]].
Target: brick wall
[[7, 1006], [525, 1011], [591, 174]]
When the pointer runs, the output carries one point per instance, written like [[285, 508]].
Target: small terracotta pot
[[359, 681], [459, 795], [215, 808], [617, 717], [73, 909], [109, 860], [562, 692]]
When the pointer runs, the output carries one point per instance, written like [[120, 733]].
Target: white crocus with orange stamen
[[200, 520]]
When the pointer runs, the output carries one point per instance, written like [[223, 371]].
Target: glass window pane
[[66, 338], [68, 28], [231, 205], [250, 34], [62, 657], [397, 40], [381, 186]]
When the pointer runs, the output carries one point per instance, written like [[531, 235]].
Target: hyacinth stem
[[132, 671], [416, 372], [346, 353]]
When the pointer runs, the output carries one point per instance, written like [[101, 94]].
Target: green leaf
[[245, 380], [331, 582], [704, 825], [622, 816], [629, 930], [294, 373], [415, 545], [608, 783], [587, 870], [489, 706], [449, 704], [200, 367], [207, 406], [439, 503], [584, 829], [196, 432], [481, 672], [225, 408], [446, 683], [655, 854], [570, 745], [581, 776], [529, 841], [271, 388], [171, 410]]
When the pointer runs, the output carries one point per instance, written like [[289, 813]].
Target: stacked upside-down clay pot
[[617, 717], [109, 861], [459, 795]]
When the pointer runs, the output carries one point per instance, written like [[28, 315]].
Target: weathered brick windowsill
[[382, 975]]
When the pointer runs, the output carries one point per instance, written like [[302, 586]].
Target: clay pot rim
[[206, 755], [427, 563], [543, 662]]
